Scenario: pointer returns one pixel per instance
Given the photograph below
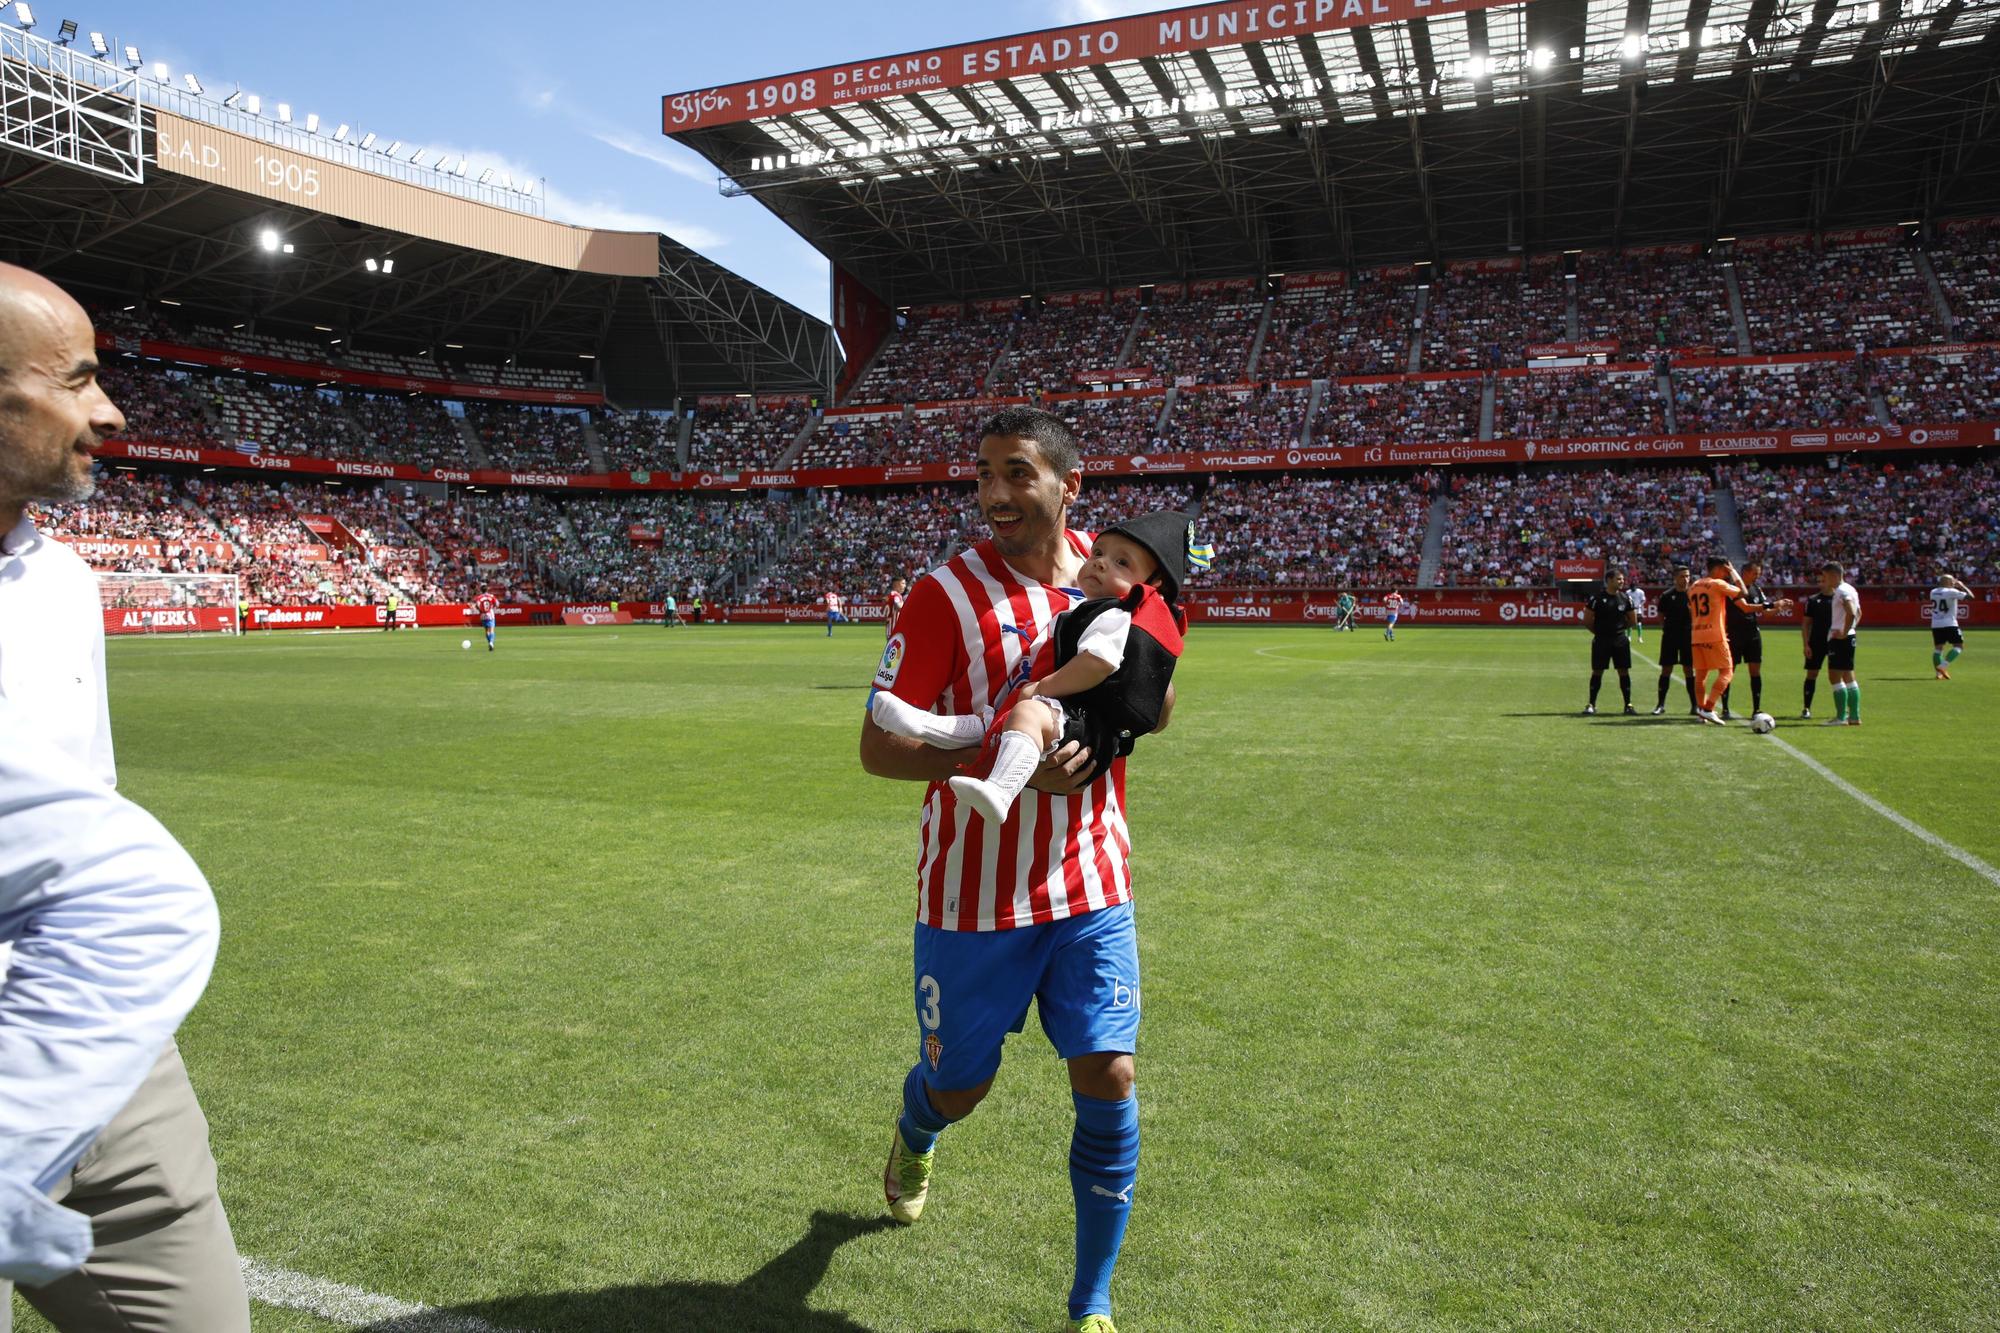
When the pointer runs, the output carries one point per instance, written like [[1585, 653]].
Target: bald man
[[162, 1259]]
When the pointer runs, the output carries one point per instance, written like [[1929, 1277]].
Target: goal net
[[169, 603]]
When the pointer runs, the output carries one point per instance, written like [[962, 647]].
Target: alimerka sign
[[1194, 28]]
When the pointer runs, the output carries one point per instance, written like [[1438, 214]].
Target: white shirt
[[1846, 610], [52, 647], [1944, 607], [1638, 596], [1104, 637], [114, 933]]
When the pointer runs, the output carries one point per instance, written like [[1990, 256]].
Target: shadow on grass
[[773, 1298]]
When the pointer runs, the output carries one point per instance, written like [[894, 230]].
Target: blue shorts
[[973, 988], [486, 621]]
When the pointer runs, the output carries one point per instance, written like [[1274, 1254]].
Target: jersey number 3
[[928, 1015]]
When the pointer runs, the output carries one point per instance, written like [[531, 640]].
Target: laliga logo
[[1509, 611], [693, 106]]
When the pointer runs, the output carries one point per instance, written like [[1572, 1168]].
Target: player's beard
[[1036, 528], [68, 478]]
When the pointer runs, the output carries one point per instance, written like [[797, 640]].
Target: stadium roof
[[1228, 139], [124, 189]]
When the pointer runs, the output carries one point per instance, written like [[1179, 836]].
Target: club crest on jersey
[[892, 662], [933, 1050]]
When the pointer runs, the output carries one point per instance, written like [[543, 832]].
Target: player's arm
[[1951, 581], [1590, 617], [1083, 672]]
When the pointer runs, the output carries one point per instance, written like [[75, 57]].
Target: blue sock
[[1103, 1163], [920, 1123]]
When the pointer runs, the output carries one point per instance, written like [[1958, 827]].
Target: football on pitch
[[465, 643], [1763, 723]]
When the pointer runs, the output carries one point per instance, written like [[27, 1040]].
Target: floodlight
[[1544, 57], [287, 247], [340, 135], [193, 84], [367, 141], [388, 266], [285, 112], [66, 33], [1635, 46], [99, 45], [161, 72], [486, 175], [417, 158], [132, 60], [268, 239], [394, 145], [506, 180], [233, 98], [370, 265], [24, 16], [463, 163], [254, 104], [312, 122]]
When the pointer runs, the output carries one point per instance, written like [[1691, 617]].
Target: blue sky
[[570, 93]]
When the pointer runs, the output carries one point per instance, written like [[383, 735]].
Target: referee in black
[[1746, 636], [1676, 638], [1815, 628], [1607, 615]]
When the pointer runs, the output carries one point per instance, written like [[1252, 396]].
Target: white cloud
[[680, 162], [1090, 11], [597, 210]]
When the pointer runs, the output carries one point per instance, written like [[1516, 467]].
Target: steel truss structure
[[1532, 127], [59, 104]]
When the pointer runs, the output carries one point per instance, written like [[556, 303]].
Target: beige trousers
[[162, 1259]]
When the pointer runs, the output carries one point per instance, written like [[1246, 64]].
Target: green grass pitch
[[568, 986]]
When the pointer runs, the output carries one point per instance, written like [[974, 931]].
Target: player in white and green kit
[[1946, 641], [1638, 631]]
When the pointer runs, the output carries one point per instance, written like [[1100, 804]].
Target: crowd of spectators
[[1233, 419], [160, 406], [1202, 340], [1127, 424], [1966, 260], [850, 441], [542, 439], [743, 433], [1890, 523], [1100, 505], [935, 359], [1479, 321], [644, 547], [1806, 300], [136, 506], [857, 542], [639, 441], [1801, 395], [411, 429], [933, 437], [1575, 404], [1314, 531], [1507, 531], [1402, 410], [1058, 343], [1650, 304], [1360, 329], [1941, 388]]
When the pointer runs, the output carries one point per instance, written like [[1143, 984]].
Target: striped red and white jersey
[[960, 637], [485, 603]]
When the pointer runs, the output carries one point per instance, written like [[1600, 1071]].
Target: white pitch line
[[1983, 869], [353, 1307]]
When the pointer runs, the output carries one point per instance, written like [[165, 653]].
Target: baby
[[1099, 674]]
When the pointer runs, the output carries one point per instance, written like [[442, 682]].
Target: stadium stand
[[1652, 303], [1360, 329], [541, 438], [1116, 424], [1966, 260], [639, 441], [1412, 409], [935, 359], [1100, 505], [264, 415], [1056, 344], [1200, 339], [411, 429], [1890, 522], [1941, 388], [1803, 300], [1569, 404], [1507, 531], [1476, 320], [1237, 419], [856, 542], [1314, 531], [159, 404], [646, 546], [1815, 393], [743, 432]]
